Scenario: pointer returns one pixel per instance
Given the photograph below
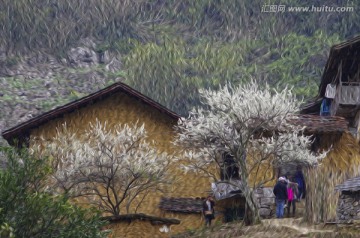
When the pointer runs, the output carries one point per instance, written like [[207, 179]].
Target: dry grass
[[342, 163]]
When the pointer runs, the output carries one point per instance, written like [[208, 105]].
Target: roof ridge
[[24, 127]]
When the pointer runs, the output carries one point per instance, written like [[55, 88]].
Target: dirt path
[[270, 228], [295, 226]]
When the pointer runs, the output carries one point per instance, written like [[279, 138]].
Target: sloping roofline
[[22, 130], [348, 49], [320, 124], [352, 184]]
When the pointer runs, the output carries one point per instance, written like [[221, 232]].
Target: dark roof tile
[[24, 128], [143, 217], [323, 124], [184, 205], [352, 184]]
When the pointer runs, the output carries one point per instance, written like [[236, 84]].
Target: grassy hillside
[[167, 49]]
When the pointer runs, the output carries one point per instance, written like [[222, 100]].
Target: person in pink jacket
[[292, 192]]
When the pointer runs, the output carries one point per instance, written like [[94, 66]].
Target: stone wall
[[265, 197], [266, 200], [348, 208]]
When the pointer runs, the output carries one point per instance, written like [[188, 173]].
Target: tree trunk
[[251, 215], [251, 208]]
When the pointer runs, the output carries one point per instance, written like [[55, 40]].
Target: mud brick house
[[120, 103], [177, 210]]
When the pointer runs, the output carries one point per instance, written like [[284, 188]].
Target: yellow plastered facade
[[138, 228], [120, 108]]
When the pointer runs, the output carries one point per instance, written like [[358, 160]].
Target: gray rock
[[82, 57], [258, 196], [264, 212], [267, 201], [268, 192], [114, 65], [348, 200], [104, 57]]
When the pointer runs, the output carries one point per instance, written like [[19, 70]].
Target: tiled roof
[[224, 190], [324, 124], [352, 184], [344, 55], [143, 217], [185, 205]]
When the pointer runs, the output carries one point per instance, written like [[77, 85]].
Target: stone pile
[[266, 199], [348, 207]]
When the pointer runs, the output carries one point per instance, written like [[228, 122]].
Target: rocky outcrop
[[37, 82], [82, 57]]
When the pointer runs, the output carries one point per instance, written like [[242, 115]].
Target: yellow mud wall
[[188, 221], [121, 108], [137, 228], [262, 172]]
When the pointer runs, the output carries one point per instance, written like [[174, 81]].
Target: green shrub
[[29, 209]]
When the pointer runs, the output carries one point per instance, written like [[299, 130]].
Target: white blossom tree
[[113, 169], [247, 121]]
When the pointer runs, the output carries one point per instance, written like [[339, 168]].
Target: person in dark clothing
[[300, 180], [280, 192], [208, 210]]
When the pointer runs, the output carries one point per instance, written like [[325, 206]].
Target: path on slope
[[269, 228]]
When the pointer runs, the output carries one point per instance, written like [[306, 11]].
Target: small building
[[338, 97], [116, 104], [348, 208], [230, 201], [339, 90]]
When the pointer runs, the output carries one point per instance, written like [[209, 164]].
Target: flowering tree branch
[[108, 166], [241, 121]]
